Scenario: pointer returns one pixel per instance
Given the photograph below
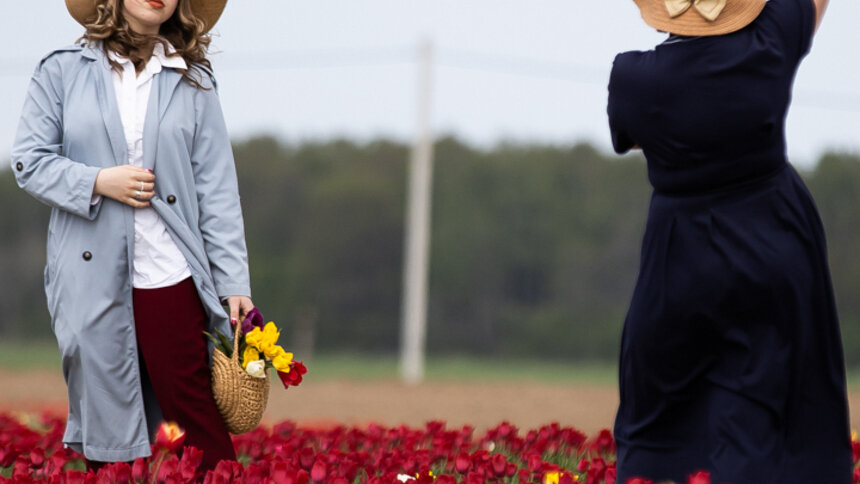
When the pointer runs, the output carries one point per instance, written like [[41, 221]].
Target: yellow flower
[[282, 361], [273, 351], [254, 337], [551, 477], [249, 355], [271, 333], [269, 337]]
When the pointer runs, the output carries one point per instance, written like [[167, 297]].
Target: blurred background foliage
[[534, 248]]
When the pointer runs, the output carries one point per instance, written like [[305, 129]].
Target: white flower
[[256, 368], [404, 477]]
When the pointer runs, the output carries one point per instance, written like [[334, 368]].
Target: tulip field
[[31, 451], [341, 430]]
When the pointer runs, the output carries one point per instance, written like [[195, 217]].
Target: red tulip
[[191, 459], [319, 471], [610, 475], [306, 458], [139, 470], [121, 471], [500, 465], [294, 376], [169, 437], [700, 477]]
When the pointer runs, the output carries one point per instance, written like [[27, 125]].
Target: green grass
[[19, 355], [359, 366]]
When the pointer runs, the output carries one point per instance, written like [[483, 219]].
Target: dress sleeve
[[793, 22], [621, 140]]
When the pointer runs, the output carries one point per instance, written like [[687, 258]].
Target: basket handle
[[238, 332]]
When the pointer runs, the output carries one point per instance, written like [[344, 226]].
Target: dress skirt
[[731, 356]]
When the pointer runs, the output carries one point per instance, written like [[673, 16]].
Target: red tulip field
[[324, 431], [31, 451]]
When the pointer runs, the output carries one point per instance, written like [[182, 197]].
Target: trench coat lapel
[[109, 108], [162, 91], [167, 83]]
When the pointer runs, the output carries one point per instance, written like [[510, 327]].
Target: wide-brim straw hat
[[209, 11], [735, 15]]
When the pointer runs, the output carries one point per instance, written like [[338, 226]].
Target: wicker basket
[[240, 397]]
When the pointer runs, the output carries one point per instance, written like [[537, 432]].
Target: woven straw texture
[[240, 397]]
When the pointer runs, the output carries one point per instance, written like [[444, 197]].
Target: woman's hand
[[131, 185], [239, 307]]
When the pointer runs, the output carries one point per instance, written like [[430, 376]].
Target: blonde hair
[[185, 32]]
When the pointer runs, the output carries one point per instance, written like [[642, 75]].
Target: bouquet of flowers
[[240, 382], [259, 351]]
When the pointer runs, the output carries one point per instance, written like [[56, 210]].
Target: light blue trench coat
[[69, 129]]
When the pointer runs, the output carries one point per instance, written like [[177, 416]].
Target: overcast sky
[[524, 70]]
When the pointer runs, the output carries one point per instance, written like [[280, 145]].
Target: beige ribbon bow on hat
[[709, 9]]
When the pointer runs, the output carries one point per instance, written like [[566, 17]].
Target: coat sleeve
[[218, 197], [37, 159]]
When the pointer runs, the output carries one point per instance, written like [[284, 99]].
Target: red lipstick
[[155, 3]]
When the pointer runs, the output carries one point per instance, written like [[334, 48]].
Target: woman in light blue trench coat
[[70, 138]]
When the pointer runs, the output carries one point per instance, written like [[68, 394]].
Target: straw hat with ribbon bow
[[84, 11], [700, 17]]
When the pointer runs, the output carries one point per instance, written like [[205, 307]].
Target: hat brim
[[209, 11], [736, 15]]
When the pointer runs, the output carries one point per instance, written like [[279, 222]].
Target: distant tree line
[[534, 248]]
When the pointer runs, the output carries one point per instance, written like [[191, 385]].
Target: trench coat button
[[19, 166], [171, 199], [87, 255]]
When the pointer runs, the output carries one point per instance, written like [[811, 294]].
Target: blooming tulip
[[254, 337], [169, 437], [256, 368], [551, 477], [274, 351], [269, 337], [319, 471], [294, 376], [252, 320], [282, 361], [249, 355]]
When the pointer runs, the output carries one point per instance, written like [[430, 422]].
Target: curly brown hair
[[183, 30]]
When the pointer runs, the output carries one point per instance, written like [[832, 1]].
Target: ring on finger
[[141, 186], [137, 194]]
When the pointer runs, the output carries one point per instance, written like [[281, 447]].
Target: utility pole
[[417, 236]]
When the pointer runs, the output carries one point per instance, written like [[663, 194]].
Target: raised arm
[[820, 7]]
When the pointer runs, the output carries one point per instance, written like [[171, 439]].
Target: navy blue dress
[[731, 357]]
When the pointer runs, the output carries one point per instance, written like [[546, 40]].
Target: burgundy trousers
[[170, 322]]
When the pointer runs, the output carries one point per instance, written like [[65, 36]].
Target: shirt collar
[[159, 60]]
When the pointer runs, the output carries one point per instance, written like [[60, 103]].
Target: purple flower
[[252, 320]]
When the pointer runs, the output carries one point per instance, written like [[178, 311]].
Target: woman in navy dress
[[731, 358]]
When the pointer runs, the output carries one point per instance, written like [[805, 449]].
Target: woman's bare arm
[[820, 7]]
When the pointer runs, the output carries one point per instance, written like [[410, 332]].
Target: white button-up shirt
[[157, 260]]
